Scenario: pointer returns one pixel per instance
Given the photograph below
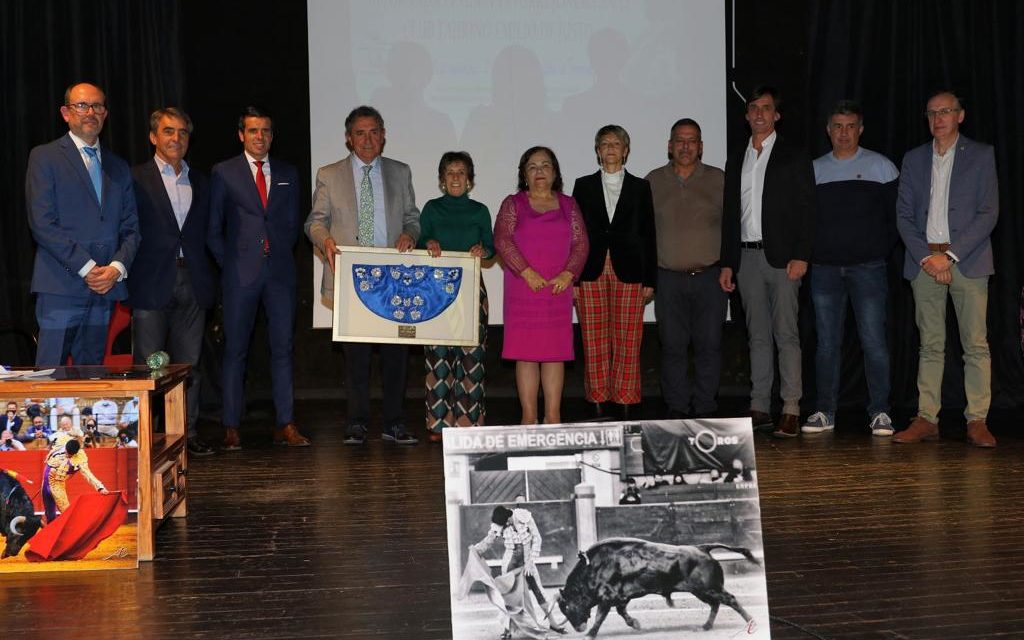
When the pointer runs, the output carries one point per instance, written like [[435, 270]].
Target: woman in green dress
[[454, 222]]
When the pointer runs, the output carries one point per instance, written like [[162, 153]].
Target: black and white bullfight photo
[[614, 530]]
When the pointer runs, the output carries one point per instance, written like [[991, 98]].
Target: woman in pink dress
[[540, 237]]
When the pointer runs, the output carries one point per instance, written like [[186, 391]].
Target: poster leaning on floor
[[647, 529]]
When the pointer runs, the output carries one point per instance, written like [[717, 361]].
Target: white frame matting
[[458, 325]]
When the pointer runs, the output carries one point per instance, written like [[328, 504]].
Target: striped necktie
[[93, 165]]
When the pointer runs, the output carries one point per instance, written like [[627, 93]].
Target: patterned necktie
[[261, 187], [94, 171], [366, 209]]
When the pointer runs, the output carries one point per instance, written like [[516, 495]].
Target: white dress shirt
[[937, 229], [179, 191], [752, 188]]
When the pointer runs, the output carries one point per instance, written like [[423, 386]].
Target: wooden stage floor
[[863, 539]]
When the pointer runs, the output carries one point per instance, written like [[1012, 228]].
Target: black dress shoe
[[197, 447], [628, 411], [599, 413]]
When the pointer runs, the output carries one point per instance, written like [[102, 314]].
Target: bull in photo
[[18, 519], [614, 571]]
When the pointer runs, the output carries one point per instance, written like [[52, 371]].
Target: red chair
[[120, 320]]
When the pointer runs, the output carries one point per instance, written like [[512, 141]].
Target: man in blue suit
[[948, 205], [254, 223], [81, 211], [173, 281]]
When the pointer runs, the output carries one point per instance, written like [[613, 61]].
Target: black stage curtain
[[213, 58], [129, 48], [889, 56]]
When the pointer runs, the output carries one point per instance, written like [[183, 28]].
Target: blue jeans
[[866, 287]]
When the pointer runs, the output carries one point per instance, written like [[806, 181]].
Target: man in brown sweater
[[690, 304]]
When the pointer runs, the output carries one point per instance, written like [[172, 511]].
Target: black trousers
[[394, 359], [177, 329]]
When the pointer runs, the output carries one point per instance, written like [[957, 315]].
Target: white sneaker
[[818, 422], [881, 425]]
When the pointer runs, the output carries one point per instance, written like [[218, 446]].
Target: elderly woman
[[619, 275], [540, 237], [454, 222]]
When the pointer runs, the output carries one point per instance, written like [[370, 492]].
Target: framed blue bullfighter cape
[[381, 295]]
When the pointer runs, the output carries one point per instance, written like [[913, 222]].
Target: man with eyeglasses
[[81, 211], [947, 208], [690, 305], [767, 233]]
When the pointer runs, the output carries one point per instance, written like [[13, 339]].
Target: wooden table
[[163, 463]]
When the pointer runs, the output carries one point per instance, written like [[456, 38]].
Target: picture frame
[[76, 509], [675, 501], [383, 296]]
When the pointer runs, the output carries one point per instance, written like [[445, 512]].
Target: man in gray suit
[[948, 205], [366, 200]]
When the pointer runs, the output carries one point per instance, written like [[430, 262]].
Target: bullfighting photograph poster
[[69, 484], [645, 529]]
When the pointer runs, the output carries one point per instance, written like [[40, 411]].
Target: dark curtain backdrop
[[129, 48], [212, 58], [889, 56]]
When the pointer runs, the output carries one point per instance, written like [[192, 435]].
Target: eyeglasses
[[943, 112], [82, 108]]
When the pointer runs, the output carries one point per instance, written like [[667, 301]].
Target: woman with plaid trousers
[[619, 275]]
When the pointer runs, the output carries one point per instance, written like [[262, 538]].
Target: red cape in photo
[[88, 521]]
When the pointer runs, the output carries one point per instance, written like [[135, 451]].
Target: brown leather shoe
[[760, 420], [289, 435], [979, 435], [232, 441], [789, 426], [919, 429]]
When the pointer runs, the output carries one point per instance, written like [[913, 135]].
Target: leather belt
[[180, 262], [938, 247], [697, 270], [752, 245]]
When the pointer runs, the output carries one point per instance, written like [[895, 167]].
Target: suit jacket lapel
[[74, 157], [624, 195], [245, 176], [156, 185]]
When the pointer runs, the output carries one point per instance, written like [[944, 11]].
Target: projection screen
[[493, 77]]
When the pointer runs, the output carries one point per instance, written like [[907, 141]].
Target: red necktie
[[261, 183], [261, 186]]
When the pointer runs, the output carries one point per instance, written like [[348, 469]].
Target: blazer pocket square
[[282, 184]]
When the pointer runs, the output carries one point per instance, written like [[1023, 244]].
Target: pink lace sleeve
[[580, 244], [504, 237]]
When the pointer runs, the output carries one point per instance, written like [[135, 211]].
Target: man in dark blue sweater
[[856, 229]]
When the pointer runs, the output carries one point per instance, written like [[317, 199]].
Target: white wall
[[493, 77]]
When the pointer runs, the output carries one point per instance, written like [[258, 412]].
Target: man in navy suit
[[767, 230], [254, 223], [81, 210], [173, 283], [947, 208]]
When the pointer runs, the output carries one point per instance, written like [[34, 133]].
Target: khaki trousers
[[970, 302]]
